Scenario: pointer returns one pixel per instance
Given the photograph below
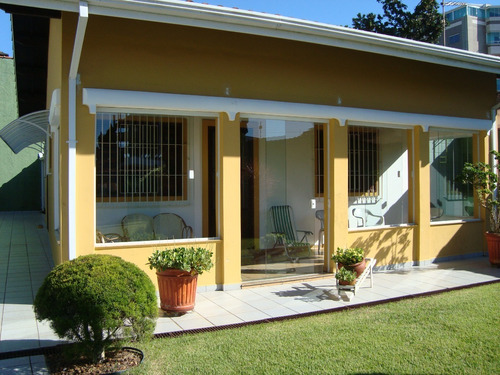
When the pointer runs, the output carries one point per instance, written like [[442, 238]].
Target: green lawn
[[451, 333]]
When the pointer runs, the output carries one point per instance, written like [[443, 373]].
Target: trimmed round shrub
[[95, 299]]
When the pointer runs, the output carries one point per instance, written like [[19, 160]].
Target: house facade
[[218, 115]]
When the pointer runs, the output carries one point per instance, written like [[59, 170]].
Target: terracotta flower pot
[[177, 290], [357, 267], [493, 242], [343, 282]]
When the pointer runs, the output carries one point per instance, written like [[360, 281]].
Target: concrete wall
[[20, 175]]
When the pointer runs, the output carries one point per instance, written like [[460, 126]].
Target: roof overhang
[[28, 130], [249, 22]]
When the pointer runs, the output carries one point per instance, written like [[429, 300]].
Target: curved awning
[[30, 129]]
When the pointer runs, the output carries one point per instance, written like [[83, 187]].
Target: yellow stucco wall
[[54, 78], [139, 256], [148, 56], [453, 240], [140, 56], [388, 246], [230, 259]]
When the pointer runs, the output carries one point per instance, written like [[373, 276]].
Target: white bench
[[343, 289]]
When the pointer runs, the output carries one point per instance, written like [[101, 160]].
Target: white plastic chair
[[365, 218]]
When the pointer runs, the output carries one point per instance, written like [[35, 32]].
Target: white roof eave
[[97, 99], [256, 23]]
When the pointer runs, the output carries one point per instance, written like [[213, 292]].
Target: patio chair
[[171, 226], [436, 212], [138, 227], [365, 217], [286, 233], [107, 237]]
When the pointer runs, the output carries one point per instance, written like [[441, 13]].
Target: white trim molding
[[192, 104]]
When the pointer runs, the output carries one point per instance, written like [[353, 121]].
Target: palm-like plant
[[485, 181]]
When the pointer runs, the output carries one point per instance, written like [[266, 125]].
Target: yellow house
[[226, 117]]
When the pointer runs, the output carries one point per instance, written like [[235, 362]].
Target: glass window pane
[[450, 199], [142, 188], [378, 176]]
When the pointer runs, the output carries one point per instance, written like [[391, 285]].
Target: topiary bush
[[94, 299]]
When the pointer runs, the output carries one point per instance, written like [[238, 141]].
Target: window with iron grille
[[140, 158], [363, 160]]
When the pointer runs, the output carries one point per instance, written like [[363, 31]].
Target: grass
[[451, 333]]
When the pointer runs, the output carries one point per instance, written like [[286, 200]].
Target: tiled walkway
[[25, 260]]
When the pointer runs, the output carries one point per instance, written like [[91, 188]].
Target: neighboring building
[[474, 28], [218, 114], [20, 175]]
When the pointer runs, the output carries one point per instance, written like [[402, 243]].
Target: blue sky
[[336, 12]]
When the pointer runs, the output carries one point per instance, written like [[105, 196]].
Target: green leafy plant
[[193, 260], [95, 299], [485, 182], [345, 275], [349, 255]]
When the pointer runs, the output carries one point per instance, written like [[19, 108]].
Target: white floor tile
[[252, 316], [165, 325], [224, 319]]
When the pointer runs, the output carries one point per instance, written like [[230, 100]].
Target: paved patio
[[25, 260]]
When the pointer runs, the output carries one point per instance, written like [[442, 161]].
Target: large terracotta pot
[[343, 282], [357, 267], [177, 290], [493, 242]]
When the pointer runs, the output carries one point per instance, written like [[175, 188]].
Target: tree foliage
[[424, 24]]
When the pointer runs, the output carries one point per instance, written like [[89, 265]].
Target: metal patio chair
[[169, 226], [138, 227], [286, 233], [107, 237]]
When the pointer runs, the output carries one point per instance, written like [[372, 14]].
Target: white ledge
[[152, 101]]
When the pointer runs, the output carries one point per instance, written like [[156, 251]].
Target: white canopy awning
[[28, 130]]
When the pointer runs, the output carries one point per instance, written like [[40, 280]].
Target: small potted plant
[[177, 271], [352, 259], [346, 277], [485, 182]]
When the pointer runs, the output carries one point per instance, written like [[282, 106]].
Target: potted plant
[[346, 277], [177, 271], [352, 259], [485, 182]]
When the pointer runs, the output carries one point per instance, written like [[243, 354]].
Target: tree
[[424, 24]]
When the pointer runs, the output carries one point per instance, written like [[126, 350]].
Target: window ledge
[[455, 221], [135, 244], [381, 227]]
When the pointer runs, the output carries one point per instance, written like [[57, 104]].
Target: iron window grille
[[140, 158]]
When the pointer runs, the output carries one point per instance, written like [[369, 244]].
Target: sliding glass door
[[281, 190]]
